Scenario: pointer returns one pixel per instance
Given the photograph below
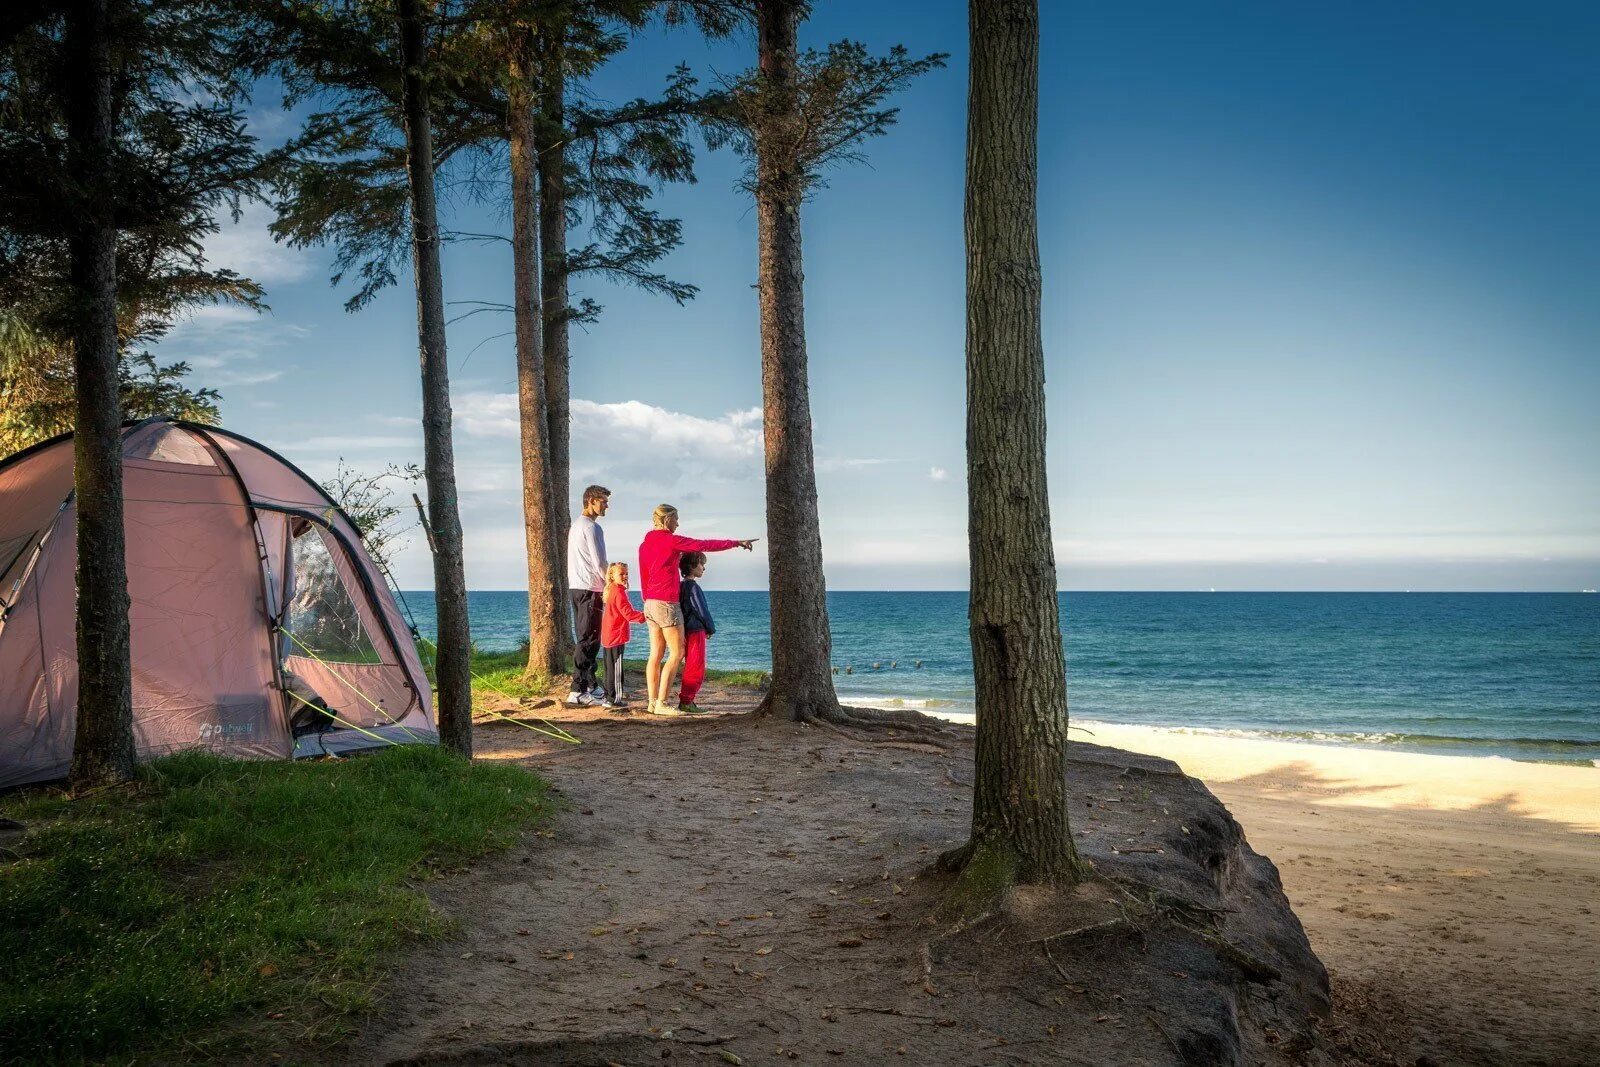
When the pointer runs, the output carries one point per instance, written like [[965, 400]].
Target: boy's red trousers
[[694, 666]]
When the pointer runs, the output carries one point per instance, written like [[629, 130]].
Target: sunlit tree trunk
[[553, 277], [546, 580], [802, 677], [103, 750], [453, 669], [1019, 808]]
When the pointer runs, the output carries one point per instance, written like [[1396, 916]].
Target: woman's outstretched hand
[[749, 543]]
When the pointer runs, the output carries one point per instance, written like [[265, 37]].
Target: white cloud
[[247, 248], [938, 474], [230, 346], [633, 443]]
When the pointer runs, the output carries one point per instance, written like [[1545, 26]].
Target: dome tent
[[251, 595]]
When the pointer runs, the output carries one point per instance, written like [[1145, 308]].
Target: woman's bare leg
[[652, 668], [669, 671]]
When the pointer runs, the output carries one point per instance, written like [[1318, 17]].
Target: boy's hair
[[595, 492], [659, 515], [689, 561], [617, 574]]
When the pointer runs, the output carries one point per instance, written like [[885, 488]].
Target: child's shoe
[[661, 707], [692, 709]]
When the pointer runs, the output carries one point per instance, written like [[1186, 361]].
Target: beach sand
[[1458, 895]]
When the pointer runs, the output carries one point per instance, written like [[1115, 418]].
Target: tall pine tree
[[795, 115]]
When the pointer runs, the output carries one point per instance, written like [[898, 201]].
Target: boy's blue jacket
[[696, 612]]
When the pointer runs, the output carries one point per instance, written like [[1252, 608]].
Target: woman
[[658, 580]]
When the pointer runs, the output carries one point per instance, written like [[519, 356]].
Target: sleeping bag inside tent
[[260, 626]]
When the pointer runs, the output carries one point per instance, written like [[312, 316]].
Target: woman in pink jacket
[[659, 580]]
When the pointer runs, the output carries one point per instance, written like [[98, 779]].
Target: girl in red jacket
[[616, 615]]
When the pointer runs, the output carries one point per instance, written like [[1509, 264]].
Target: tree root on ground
[[902, 723]]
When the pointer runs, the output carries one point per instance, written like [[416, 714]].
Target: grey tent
[[254, 608]]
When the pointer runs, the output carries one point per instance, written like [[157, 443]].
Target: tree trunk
[[547, 610], [453, 670], [1019, 804], [553, 280], [103, 750], [802, 676]]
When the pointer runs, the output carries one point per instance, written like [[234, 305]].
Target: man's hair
[[659, 515], [595, 492], [689, 561]]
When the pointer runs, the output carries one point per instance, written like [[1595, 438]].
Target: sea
[[1508, 675]]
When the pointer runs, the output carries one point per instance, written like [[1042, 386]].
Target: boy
[[697, 626]]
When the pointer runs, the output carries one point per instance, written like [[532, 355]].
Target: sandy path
[[1472, 930]]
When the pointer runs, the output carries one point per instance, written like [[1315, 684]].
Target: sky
[[1319, 313]]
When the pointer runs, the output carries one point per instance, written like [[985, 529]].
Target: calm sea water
[[1505, 674]]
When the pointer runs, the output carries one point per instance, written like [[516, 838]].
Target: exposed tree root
[[901, 723]]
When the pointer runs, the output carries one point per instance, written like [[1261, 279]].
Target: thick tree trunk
[[547, 610], [802, 676], [553, 278], [103, 750], [453, 669], [1019, 807]]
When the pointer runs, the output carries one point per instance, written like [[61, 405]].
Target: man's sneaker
[[661, 707], [692, 709], [598, 692], [617, 706], [576, 699]]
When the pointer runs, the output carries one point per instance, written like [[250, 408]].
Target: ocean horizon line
[[1170, 592]]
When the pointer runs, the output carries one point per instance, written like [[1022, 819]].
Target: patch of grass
[[212, 891], [742, 679], [495, 673]]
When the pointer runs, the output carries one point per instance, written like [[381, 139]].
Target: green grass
[[216, 892], [502, 673]]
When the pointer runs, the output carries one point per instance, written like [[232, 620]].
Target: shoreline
[[1333, 775], [1384, 742]]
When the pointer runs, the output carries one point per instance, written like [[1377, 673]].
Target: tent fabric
[[212, 521]]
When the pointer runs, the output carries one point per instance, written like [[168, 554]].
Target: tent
[[254, 608]]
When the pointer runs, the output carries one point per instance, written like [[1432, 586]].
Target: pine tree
[[1020, 831], [120, 142], [795, 115], [363, 178]]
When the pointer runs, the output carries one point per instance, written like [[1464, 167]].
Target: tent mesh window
[[322, 616], [172, 445]]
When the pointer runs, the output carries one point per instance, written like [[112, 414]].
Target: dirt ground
[[754, 891]]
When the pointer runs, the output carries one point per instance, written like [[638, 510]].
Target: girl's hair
[[689, 561], [659, 515], [617, 574]]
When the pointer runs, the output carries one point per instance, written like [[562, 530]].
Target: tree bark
[[547, 613], [1019, 806], [103, 750], [802, 676], [553, 279], [453, 669]]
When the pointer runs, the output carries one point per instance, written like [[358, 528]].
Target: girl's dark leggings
[[611, 674]]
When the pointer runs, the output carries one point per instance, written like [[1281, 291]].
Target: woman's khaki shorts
[[663, 613]]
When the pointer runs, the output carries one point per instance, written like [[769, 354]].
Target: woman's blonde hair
[[659, 516], [617, 574]]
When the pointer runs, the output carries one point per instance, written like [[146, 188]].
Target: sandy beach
[[1456, 895]]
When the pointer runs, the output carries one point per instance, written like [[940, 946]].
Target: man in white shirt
[[586, 578]]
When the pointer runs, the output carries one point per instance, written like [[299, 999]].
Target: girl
[[617, 613], [658, 577]]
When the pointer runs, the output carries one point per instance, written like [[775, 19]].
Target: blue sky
[[1319, 314]]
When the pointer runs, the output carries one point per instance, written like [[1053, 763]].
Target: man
[[586, 579]]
